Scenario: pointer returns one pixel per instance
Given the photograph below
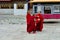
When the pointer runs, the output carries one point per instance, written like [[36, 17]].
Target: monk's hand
[[38, 19], [38, 16]]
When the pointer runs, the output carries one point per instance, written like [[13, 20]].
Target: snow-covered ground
[[16, 30]]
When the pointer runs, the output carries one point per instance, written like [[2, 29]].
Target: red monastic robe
[[30, 23], [39, 22]]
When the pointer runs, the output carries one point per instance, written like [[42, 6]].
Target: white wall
[[20, 11], [6, 11], [15, 11]]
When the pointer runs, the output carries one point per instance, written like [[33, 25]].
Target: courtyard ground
[[14, 28]]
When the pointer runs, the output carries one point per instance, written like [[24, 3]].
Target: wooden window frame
[[6, 6], [20, 6]]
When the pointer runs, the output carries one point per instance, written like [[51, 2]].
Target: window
[[56, 9], [35, 9], [6, 6], [47, 9], [12, 6], [20, 6]]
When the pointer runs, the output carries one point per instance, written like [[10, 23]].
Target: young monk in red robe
[[30, 23], [39, 21]]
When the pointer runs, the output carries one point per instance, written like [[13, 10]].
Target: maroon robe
[[30, 23], [39, 22]]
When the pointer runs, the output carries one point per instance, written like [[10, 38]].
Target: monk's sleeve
[[41, 17], [28, 19]]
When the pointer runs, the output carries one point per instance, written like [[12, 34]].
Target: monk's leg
[[31, 28], [34, 30], [38, 27], [41, 25], [28, 28]]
